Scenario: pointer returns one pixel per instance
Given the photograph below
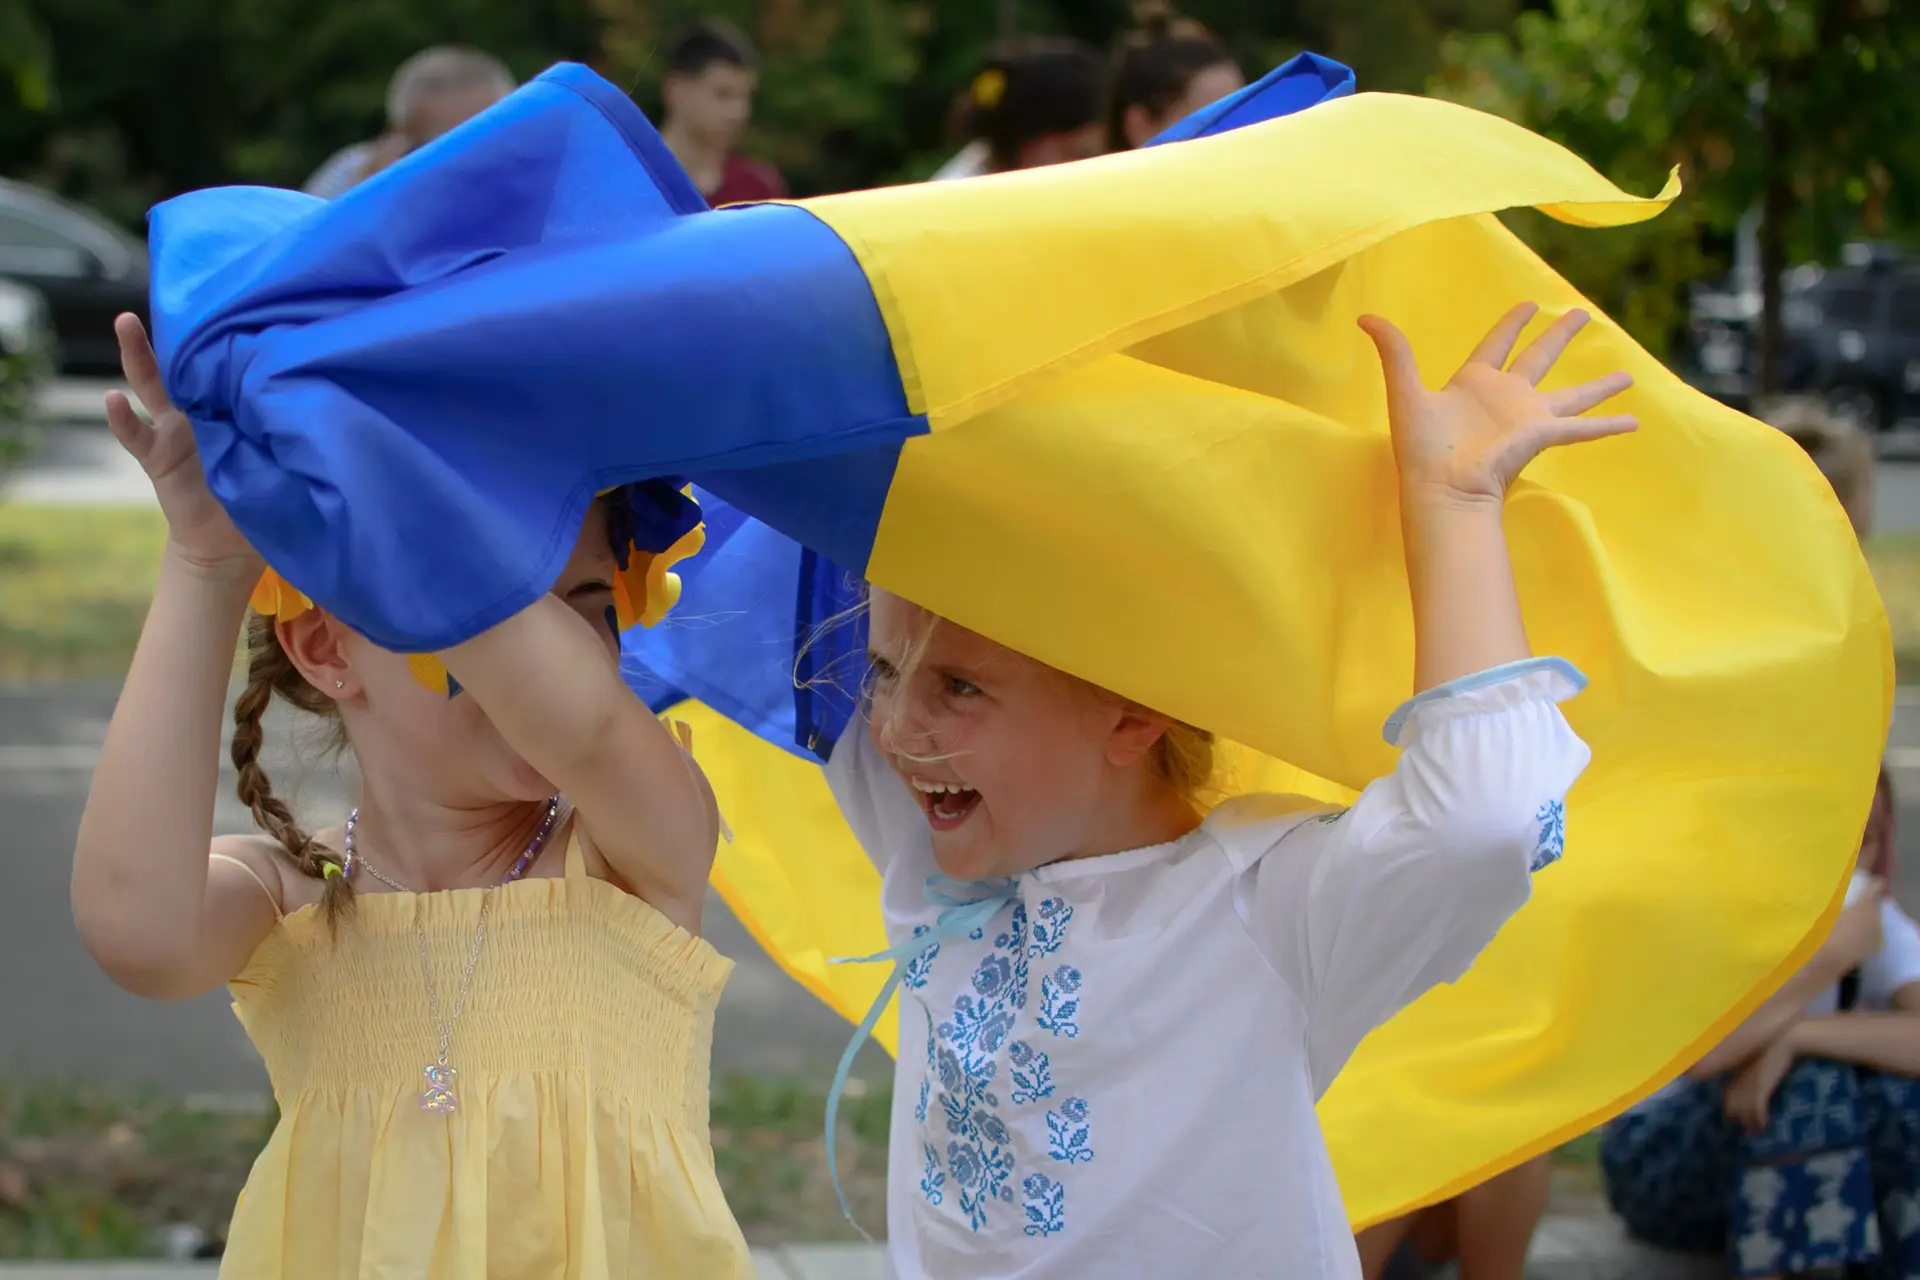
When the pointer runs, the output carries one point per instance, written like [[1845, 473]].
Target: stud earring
[[339, 684]]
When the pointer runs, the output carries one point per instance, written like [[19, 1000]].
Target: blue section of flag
[[1304, 80], [392, 392]]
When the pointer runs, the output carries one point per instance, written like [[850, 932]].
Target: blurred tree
[[24, 56], [158, 96], [1801, 109]]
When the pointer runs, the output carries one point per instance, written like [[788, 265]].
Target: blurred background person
[[431, 93], [707, 95], [1033, 103], [1166, 70]]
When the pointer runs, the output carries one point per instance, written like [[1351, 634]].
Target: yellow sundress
[[580, 1146]]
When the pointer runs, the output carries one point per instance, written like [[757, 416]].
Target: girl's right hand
[[198, 527]]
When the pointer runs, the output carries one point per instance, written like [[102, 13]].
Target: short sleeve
[[1896, 964], [1362, 911], [877, 805]]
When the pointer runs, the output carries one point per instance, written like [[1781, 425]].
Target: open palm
[[196, 522], [1472, 437]]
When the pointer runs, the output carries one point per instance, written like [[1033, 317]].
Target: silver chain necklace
[[439, 1097]]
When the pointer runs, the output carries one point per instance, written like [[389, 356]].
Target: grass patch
[[769, 1145], [88, 1173], [96, 1174], [74, 588], [75, 582]]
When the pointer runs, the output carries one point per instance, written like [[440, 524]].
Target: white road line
[[43, 758]]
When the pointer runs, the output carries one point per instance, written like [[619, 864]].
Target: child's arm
[[1855, 937], [1884, 1041], [1458, 450], [143, 899], [1363, 913], [1888, 1042], [549, 685]]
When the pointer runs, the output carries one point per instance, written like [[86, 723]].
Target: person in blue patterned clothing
[[1117, 1015], [1794, 1146]]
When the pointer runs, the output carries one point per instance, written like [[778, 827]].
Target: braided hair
[[271, 673]]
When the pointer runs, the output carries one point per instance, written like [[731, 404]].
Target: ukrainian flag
[[1118, 416]]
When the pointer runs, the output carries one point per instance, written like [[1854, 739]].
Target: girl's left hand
[[1469, 440]]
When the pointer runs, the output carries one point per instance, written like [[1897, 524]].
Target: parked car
[[88, 269], [1849, 333]]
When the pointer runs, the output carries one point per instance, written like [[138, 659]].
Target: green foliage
[[24, 56], [1802, 108], [21, 375], [159, 96]]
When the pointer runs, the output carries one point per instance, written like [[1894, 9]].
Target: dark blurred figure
[[708, 95], [432, 92], [1165, 71], [1034, 103]]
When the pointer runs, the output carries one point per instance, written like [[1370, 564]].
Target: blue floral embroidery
[[915, 974], [933, 1180], [974, 1150], [1050, 930], [1552, 818], [1059, 1002], [1032, 1073], [1044, 1203], [1068, 1132]]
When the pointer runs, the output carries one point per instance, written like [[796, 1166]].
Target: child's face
[[1015, 764], [446, 748]]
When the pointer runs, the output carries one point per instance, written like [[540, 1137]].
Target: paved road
[[60, 1016]]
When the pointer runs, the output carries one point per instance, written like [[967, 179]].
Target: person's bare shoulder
[[264, 867]]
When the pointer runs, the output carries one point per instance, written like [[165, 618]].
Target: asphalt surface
[[59, 1016]]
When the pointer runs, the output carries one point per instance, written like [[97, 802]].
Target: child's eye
[[958, 688], [883, 672]]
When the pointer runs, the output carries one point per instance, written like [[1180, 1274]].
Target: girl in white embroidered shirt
[[1116, 1015]]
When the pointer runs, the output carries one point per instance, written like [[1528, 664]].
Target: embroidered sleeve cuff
[[1553, 678]]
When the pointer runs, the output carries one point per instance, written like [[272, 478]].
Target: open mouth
[[948, 804]]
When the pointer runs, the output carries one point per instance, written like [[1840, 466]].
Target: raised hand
[[198, 527], [1470, 439]]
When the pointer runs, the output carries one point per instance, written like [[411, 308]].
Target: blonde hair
[[1837, 445], [1183, 758], [271, 673]]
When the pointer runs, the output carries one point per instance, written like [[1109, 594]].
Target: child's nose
[[907, 730]]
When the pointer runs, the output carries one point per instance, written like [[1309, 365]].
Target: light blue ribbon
[[965, 905]]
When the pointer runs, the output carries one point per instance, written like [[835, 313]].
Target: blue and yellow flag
[[1116, 415]]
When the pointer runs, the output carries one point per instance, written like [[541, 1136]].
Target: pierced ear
[[1134, 734], [312, 644]]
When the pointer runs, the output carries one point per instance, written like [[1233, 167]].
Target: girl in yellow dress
[[486, 1009]]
